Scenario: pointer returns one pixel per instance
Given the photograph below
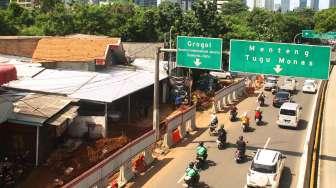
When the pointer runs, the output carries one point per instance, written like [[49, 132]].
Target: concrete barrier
[[306, 158], [229, 94], [184, 121], [98, 174]]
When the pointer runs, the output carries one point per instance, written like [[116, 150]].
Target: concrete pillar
[[224, 101], [183, 128], [234, 96], [164, 92], [230, 98], [126, 173], [148, 154], [193, 122], [167, 139]]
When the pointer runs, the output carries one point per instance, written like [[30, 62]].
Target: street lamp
[[294, 40], [170, 46]]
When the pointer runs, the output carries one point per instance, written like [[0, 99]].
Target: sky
[[323, 4]]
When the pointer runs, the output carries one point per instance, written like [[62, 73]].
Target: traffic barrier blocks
[[167, 140], [148, 154], [183, 128], [234, 96], [176, 136], [126, 173]]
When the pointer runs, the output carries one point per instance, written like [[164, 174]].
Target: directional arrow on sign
[[197, 62], [277, 69]]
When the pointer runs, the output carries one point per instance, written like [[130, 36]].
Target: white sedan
[[309, 86]]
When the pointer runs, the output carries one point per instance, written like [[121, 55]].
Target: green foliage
[[133, 23], [325, 20], [233, 7]]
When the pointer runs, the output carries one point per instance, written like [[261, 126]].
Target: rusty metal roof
[[73, 49]]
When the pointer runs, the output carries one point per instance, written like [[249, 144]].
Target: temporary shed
[[78, 52], [35, 123]]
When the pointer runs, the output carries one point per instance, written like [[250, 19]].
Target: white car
[[289, 85], [223, 74], [309, 86], [289, 115], [270, 83], [266, 169]]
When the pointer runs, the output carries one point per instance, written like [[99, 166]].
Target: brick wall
[[18, 45]]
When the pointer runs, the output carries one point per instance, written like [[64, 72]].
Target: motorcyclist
[[261, 98], [192, 173], [241, 145], [202, 151], [214, 119], [221, 134], [258, 114], [233, 110], [245, 119]]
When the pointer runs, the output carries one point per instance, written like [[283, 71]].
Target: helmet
[[245, 114], [222, 126], [201, 144], [191, 164], [241, 137]]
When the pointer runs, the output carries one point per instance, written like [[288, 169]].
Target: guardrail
[[227, 94], [314, 162], [109, 165], [307, 155], [180, 121]]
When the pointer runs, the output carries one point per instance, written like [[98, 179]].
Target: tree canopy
[[151, 24]]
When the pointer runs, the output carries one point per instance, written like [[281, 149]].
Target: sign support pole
[[156, 112]]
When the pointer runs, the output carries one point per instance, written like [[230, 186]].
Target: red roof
[[7, 73]]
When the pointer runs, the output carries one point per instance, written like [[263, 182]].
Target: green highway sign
[[199, 52], [280, 59], [313, 35]]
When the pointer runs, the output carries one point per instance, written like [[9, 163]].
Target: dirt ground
[[90, 152]]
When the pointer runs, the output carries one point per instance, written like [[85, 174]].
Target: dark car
[[280, 98]]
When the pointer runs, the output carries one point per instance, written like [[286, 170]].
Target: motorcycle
[[245, 127], [212, 129], [261, 101], [191, 181], [233, 116], [200, 160], [239, 156], [258, 120], [220, 144]]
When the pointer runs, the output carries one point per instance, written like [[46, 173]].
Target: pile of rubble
[[68, 163], [202, 100]]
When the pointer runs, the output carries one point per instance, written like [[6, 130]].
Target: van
[[289, 115]]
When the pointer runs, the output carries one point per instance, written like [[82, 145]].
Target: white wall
[[79, 127]]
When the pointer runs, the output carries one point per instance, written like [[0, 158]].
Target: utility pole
[[170, 46], [156, 112]]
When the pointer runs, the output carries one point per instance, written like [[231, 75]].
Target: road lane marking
[[266, 144], [179, 181]]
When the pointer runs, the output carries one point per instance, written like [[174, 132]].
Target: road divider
[[306, 157]]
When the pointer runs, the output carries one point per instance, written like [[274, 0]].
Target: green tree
[[6, 27], [49, 5], [265, 24], [325, 20], [233, 7], [292, 23]]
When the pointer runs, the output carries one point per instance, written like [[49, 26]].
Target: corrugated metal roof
[[109, 86], [23, 65], [54, 81], [72, 49]]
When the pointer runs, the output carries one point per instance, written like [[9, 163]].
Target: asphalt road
[[222, 170]]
